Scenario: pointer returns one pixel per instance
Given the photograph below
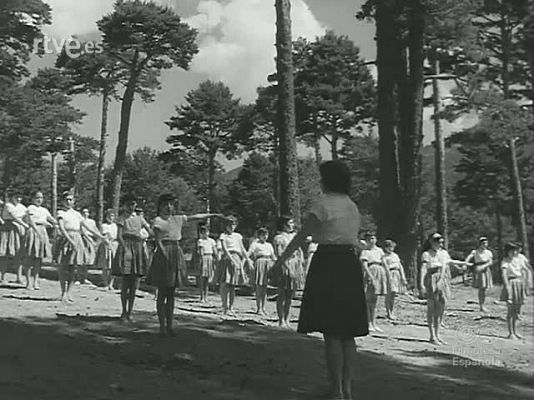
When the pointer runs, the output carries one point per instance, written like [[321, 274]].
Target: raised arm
[[204, 216]]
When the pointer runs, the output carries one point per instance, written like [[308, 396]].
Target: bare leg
[[263, 291], [280, 300], [287, 305], [3, 269], [19, 272], [231, 298], [160, 308], [481, 298], [36, 270], [62, 282], [510, 321], [200, 280], [28, 273], [124, 296], [390, 303], [349, 346], [430, 311], [334, 363], [224, 297], [169, 310], [206, 288], [133, 284], [440, 309]]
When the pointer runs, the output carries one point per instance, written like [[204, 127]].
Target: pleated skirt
[[333, 301], [262, 268], [11, 239], [105, 254], [482, 279], [130, 259], [395, 282], [232, 271], [380, 288], [518, 290], [167, 271], [37, 244], [436, 289], [290, 275], [70, 253], [206, 267]]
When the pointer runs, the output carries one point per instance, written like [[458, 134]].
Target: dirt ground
[[82, 351]]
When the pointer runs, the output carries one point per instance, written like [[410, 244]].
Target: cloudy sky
[[236, 45]]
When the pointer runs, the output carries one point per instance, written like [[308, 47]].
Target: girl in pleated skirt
[[262, 254]]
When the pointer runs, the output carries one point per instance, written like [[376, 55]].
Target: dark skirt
[[167, 271], [131, 259], [333, 301]]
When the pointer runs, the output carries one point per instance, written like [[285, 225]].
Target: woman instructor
[[333, 302]]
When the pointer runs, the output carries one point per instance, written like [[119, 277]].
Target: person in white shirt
[[262, 254], [333, 301], [107, 249], [12, 234], [37, 243], [207, 259], [481, 260], [89, 246]]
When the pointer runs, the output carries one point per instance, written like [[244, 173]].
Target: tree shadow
[[230, 359]]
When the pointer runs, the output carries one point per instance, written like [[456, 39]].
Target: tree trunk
[[441, 185], [122, 145], [505, 48], [101, 161], [411, 138], [211, 178], [289, 186], [498, 217], [518, 197], [335, 139], [317, 149], [388, 56], [53, 183]]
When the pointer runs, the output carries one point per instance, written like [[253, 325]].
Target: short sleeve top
[[110, 231], [261, 250], [372, 256], [38, 214], [90, 223], [171, 227], [72, 219], [208, 246], [11, 211], [481, 257], [131, 224], [338, 220], [436, 260], [513, 268], [392, 261], [232, 242], [281, 241]]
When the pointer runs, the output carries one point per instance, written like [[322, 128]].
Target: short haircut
[[335, 176], [389, 244], [231, 220], [282, 221], [369, 234], [262, 232], [203, 229], [109, 212], [66, 194], [510, 246]]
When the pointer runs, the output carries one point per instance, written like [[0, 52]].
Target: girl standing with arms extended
[[376, 277], [333, 301], [514, 270], [435, 279], [261, 253], [37, 244], [107, 249], [12, 234], [131, 261], [481, 259], [231, 272], [207, 253], [289, 276], [168, 270], [397, 280], [70, 244]]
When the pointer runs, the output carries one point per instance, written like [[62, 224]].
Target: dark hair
[[388, 243], [282, 221], [164, 199], [108, 212], [66, 193], [369, 234], [129, 199], [203, 229], [427, 245], [509, 247], [230, 221], [335, 176], [261, 232]]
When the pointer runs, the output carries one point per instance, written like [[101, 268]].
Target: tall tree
[[20, 28], [334, 90], [145, 38], [289, 186], [208, 125], [95, 74]]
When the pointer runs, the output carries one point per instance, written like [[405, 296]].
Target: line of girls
[[385, 277], [25, 241]]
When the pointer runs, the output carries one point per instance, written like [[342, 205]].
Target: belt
[[132, 237], [393, 269], [513, 277], [374, 263], [73, 230]]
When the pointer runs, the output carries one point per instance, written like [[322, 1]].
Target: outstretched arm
[[203, 216]]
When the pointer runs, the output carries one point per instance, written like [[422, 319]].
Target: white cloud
[[237, 41]]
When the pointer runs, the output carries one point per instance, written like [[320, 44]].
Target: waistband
[[510, 278], [170, 242], [374, 263]]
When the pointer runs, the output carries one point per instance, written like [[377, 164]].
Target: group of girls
[[385, 276]]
